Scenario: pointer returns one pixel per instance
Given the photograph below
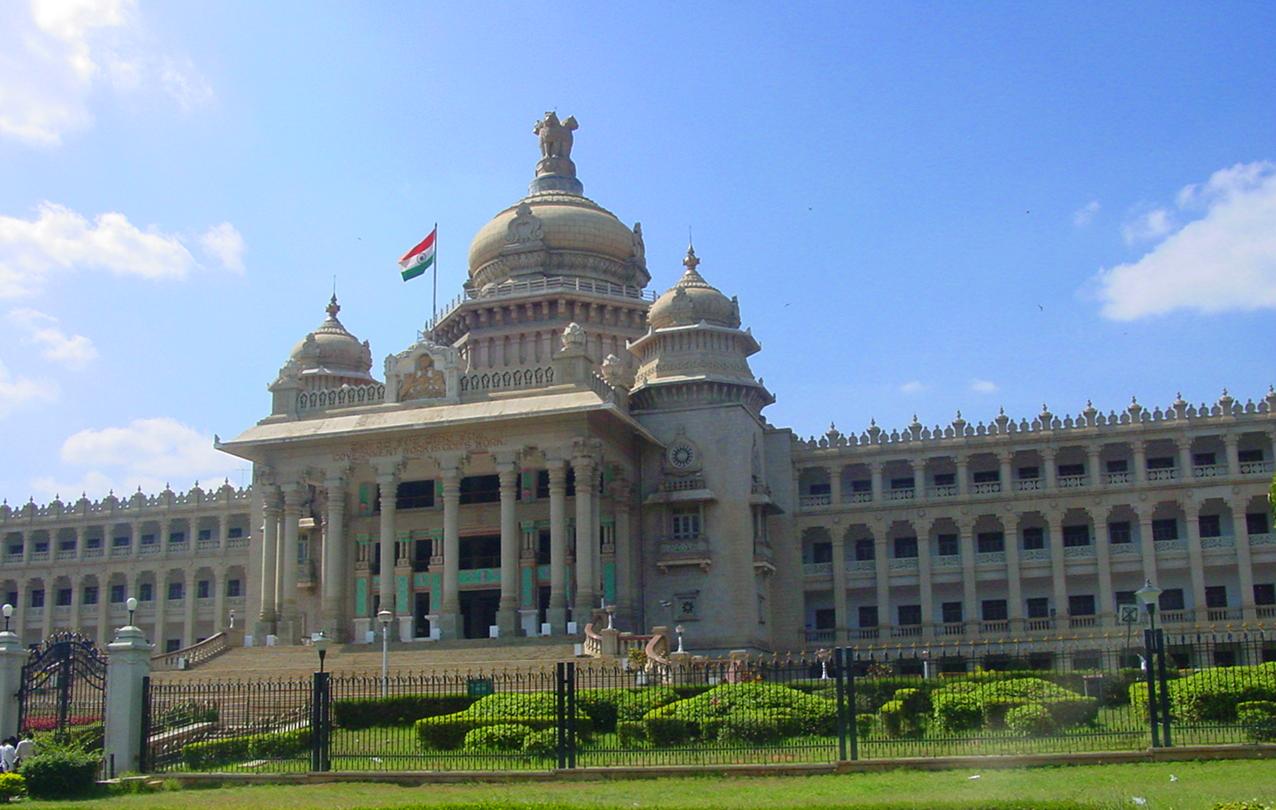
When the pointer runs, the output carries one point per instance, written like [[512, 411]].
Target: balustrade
[[947, 561], [903, 564], [1071, 481], [900, 494], [808, 501], [953, 628], [1166, 474], [861, 566], [861, 497], [943, 491], [1030, 554], [1116, 478], [1124, 549], [1218, 542], [1173, 616], [995, 627], [1038, 625], [1171, 545], [1077, 552], [989, 557], [1209, 471], [1256, 468], [986, 488], [1265, 539], [822, 569], [1078, 622], [907, 631], [1028, 485]]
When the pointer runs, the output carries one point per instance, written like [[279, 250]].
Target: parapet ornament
[[427, 371]]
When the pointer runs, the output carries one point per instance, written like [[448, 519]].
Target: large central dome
[[555, 231]]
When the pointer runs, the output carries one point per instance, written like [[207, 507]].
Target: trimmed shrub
[[666, 731], [864, 724], [59, 773], [997, 697], [500, 737], [203, 756], [12, 786], [400, 710], [1213, 694], [1259, 719], [543, 743], [892, 716], [759, 729], [1030, 720], [959, 711], [606, 706], [705, 713], [537, 710], [631, 733]]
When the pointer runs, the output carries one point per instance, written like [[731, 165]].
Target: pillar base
[[583, 610], [361, 629], [406, 632], [450, 626], [507, 621], [556, 618], [527, 621]]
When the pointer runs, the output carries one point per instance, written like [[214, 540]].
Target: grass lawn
[[1196, 785]]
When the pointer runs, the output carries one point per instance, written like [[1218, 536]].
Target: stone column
[[507, 610], [883, 581], [129, 663], [963, 477], [218, 584], [1104, 561], [624, 554], [1051, 471], [28, 540], [1184, 447], [966, 528], [190, 597], [919, 478], [875, 473], [1095, 463], [1006, 472], [1231, 444], [388, 483], [104, 609], [77, 594], [835, 485], [1140, 461], [840, 620], [223, 529], [925, 586], [450, 624], [50, 598], [135, 539], [288, 618], [80, 531], [1058, 575], [1147, 547], [334, 557], [161, 609], [586, 540], [13, 654], [1196, 559], [1244, 563], [556, 616], [269, 554], [1014, 575]]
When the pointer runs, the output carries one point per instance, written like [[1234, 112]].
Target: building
[[560, 440]]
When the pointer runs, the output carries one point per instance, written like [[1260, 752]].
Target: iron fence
[[834, 705]]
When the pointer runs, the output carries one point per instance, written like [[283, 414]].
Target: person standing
[[8, 755], [25, 748]]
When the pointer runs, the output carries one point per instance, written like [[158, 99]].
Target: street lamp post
[[321, 644], [131, 605], [319, 708], [679, 630], [1147, 596], [385, 617], [8, 614]]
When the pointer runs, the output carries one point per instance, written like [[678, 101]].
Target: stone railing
[[515, 289], [194, 655], [347, 396], [507, 380], [126, 509]]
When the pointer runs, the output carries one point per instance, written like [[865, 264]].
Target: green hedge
[[954, 705], [1259, 719], [537, 710], [1212, 695], [606, 706], [12, 786], [543, 743], [1031, 720], [501, 737], [202, 756], [746, 710], [400, 710], [60, 773]]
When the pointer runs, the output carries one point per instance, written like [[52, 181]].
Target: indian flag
[[417, 260]]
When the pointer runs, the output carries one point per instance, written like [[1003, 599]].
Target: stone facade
[[559, 439]]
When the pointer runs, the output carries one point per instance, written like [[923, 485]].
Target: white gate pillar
[[129, 663], [12, 656]]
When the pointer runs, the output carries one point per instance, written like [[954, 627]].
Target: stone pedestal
[[12, 656], [609, 642], [361, 629], [507, 621], [556, 618], [450, 626], [406, 632], [129, 663], [527, 620]]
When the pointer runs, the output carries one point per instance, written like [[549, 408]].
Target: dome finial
[[691, 262], [333, 307]]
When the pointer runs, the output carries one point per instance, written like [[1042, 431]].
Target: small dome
[[331, 350], [693, 300]]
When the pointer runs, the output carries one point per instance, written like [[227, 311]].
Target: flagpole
[[435, 304]]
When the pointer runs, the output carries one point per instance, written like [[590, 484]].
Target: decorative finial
[[333, 307], [691, 262], [1001, 410]]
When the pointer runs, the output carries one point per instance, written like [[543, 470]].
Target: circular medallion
[[681, 455]]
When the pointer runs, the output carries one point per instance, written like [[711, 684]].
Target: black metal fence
[[819, 708]]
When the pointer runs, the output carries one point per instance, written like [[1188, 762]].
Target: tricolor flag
[[417, 260]]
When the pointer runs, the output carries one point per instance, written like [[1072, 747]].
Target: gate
[[63, 686]]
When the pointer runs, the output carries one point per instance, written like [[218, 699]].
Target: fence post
[[838, 665], [1149, 667], [1165, 687], [560, 713], [129, 664], [571, 714], [320, 719], [12, 656], [849, 657]]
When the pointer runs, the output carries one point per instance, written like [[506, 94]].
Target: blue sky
[[922, 207]]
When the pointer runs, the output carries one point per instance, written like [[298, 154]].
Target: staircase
[[478, 655]]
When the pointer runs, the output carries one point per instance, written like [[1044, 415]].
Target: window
[[910, 615], [203, 589], [1215, 596], [11, 598], [1126, 598], [1119, 465], [37, 598], [1210, 526], [1249, 456], [1203, 459], [234, 532], [862, 486], [177, 537], [902, 483], [90, 594], [905, 547], [868, 615], [205, 534], [1119, 533], [542, 547], [686, 524], [1265, 593], [146, 592], [1161, 463], [1071, 470], [480, 489], [947, 545], [991, 542], [93, 542], [15, 550], [1165, 529], [234, 588], [1171, 599], [987, 477], [1029, 473], [825, 619], [120, 542], [374, 562], [994, 610], [864, 550], [175, 591], [951, 612], [1256, 523], [117, 594], [421, 555], [1038, 607], [66, 545], [1076, 535], [1034, 537], [414, 495], [483, 551], [821, 552], [63, 597], [41, 546], [148, 539], [1082, 605], [172, 645], [945, 479]]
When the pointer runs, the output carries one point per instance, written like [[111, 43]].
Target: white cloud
[[72, 351], [1084, 215], [983, 386], [54, 54], [61, 239], [912, 387], [226, 244], [147, 452], [19, 392], [1223, 261], [1148, 226]]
